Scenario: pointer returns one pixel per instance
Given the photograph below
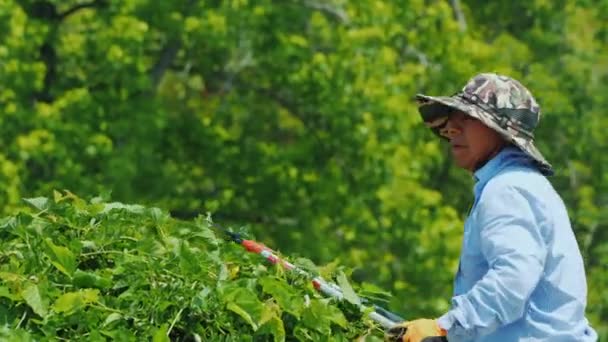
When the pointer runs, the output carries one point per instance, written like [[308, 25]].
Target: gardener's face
[[472, 142]]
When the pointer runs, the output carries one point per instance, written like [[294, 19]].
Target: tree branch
[[49, 58], [46, 10], [422, 58], [459, 15], [291, 107], [94, 3], [167, 55], [588, 240], [285, 103], [326, 8]]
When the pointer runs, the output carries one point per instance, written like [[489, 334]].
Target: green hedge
[[87, 270]]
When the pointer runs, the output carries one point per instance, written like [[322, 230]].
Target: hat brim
[[433, 108]]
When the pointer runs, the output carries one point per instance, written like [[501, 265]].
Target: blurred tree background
[[295, 118]]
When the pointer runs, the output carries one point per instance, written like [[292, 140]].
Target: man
[[521, 275]]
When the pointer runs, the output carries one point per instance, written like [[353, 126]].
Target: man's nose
[[450, 130]]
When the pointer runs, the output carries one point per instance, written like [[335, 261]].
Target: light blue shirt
[[521, 275]]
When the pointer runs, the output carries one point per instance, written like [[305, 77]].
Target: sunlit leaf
[[31, 295], [72, 301], [347, 290], [61, 257]]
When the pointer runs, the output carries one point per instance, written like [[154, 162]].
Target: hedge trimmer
[[379, 315]]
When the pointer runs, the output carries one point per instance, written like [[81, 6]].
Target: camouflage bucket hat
[[499, 102]]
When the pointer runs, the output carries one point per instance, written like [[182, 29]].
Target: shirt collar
[[506, 156]]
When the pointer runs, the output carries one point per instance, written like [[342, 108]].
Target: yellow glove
[[415, 331]]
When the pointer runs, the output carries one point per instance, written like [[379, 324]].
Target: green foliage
[[133, 273], [296, 119]]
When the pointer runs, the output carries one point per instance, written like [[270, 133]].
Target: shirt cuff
[[446, 321], [450, 318]]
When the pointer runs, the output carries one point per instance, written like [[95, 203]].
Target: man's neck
[[491, 154]]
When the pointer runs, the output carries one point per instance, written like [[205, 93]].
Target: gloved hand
[[415, 331]]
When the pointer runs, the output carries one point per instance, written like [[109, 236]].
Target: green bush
[[88, 270]]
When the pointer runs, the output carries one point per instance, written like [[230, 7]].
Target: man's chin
[[462, 163]]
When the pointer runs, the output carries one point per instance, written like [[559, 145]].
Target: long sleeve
[[512, 245]]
